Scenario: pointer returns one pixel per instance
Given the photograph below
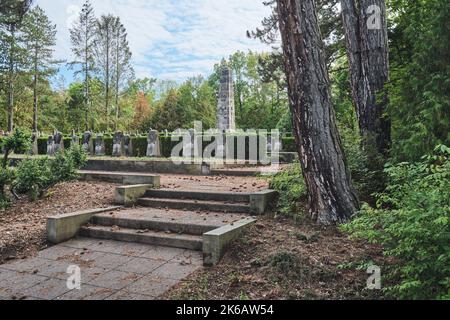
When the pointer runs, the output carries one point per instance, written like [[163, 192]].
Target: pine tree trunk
[[107, 76], [11, 81], [86, 79], [332, 199], [117, 83], [368, 55], [35, 95], [35, 103]]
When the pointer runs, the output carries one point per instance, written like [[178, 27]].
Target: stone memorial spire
[[226, 118]]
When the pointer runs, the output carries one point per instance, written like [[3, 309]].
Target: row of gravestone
[[122, 144]]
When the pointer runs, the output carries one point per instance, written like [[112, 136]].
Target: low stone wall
[[216, 242], [128, 195], [157, 166], [64, 227]]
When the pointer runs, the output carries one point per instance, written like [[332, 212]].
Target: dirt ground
[[278, 260], [22, 226]]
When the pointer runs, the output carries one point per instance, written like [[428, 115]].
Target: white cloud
[[171, 39]]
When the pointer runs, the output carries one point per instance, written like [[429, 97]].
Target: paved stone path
[[110, 270]]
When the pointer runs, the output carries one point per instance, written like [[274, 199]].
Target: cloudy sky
[[170, 39]]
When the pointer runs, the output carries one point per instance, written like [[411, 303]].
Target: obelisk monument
[[226, 117]]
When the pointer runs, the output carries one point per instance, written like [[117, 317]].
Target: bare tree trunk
[[107, 76], [368, 54], [35, 94], [86, 80], [35, 103], [11, 82], [117, 82], [332, 198]]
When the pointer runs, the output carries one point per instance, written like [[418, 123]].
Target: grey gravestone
[[34, 150], [50, 150], [128, 146], [117, 145], [188, 143], [153, 144], [226, 118], [86, 143], [75, 141], [58, 142], [99, 146]]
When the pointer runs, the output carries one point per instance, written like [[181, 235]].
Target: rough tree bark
[[368, 54], [332, 198]]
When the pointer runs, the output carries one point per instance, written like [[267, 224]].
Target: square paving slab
[[109, 270]]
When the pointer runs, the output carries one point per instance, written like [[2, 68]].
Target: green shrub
[[42, 145], [367, 177], [139, 144], [65, 165], [291, 188], [108, 140], [33, 175], [6, 176], [411, 222], [77, 155], [289, 144], [18, 142]]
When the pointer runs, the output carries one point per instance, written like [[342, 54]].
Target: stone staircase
[[161, 227], [197, 201], [206, 221]]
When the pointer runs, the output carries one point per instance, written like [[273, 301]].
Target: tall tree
[[329, 23], [368, 54], [11, 16], [40, 37], [104, 53], [122, 64], [82, 36], [332, 198]]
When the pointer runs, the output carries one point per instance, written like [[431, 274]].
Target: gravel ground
[[22, 226]]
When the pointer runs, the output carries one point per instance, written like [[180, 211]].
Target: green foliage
[[291, 188], [6, 176], [366, 177], [411, 221], [289, 144], [65, 165], [139, 146], [18, 142], [420, 77], [34, 175]]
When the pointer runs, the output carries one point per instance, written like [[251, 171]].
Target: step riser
[[194, 206], [152, 225], [169, 194], [142, 238]]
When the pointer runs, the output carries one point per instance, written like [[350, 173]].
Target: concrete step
[[155, 224], [184, 241], [198, 195], [235, 173], [195, 205], [124, 178]]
